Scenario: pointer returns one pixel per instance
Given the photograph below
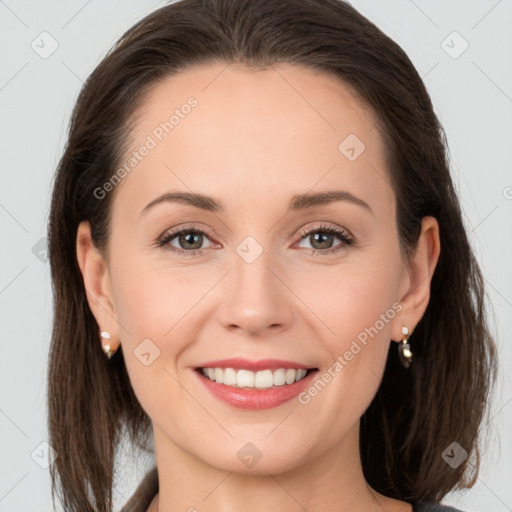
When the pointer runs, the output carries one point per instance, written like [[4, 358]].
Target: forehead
[[269, 133]]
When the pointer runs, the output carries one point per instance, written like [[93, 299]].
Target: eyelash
[[343, 235]]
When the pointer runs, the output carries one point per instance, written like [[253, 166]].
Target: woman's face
[[255, 144]]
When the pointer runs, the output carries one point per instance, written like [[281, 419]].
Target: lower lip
[[256, 399]]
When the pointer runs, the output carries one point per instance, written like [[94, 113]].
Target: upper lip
[[240, 363]]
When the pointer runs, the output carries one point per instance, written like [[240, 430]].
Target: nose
[[255, 299]]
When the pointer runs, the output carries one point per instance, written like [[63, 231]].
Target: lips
[[250, 397]]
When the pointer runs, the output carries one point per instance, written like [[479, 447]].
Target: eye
[[322, 237], [188, 240]]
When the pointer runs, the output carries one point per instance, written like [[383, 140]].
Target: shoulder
[[424, 506], [143, 496]]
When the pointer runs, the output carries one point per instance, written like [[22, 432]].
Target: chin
[[255, 458]]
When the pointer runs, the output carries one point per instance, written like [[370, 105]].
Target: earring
[[404, 349], [106, 348]]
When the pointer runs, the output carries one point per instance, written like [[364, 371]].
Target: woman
[[254, 201]]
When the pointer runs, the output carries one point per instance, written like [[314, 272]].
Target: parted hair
[[417, 412]]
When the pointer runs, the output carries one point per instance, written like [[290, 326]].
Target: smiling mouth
[[263, 379]]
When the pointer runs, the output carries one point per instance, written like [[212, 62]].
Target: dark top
[[148, 488]]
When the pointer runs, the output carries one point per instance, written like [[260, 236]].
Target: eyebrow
[[297, 202]]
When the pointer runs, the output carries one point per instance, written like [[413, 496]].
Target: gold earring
[[404, 349], [106, 348]]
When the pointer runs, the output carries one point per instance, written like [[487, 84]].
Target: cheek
[[357, 309], [356, 306], [153, 337], [349, 298], [152, 296], [160, 311]]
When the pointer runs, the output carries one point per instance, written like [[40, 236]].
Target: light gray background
[[472, 95]]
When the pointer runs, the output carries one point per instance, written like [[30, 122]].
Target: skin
[[256, 138]]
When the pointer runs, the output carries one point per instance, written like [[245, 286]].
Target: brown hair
[[417, 412]]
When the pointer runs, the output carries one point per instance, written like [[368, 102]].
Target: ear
[[97, 283], [415, 288]]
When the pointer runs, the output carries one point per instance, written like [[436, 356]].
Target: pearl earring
[[105, 335], [404, 349]]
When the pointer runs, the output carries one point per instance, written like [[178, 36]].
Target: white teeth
[[244, 378], [230, 378], [290, 376], [280, 377], [263, 379]]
